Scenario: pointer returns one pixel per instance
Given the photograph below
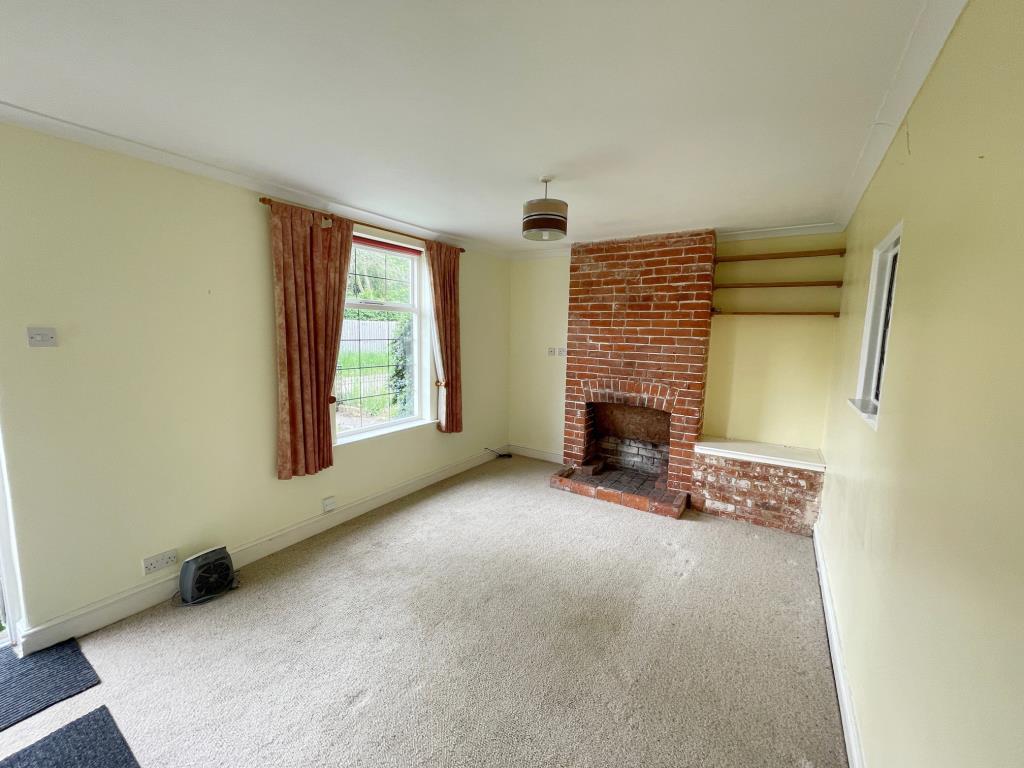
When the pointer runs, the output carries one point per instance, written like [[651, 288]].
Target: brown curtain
[[443, 261], [311, 252]]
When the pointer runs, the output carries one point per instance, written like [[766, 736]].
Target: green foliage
[[401, 360], [375, 369], [351, 358], [379, 276]]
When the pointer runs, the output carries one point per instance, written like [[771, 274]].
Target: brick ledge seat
[[775, 486], [761, 453]]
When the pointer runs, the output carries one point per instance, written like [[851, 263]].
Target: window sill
[[866, 410], [386, 429]]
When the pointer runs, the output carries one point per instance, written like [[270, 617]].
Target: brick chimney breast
[[639, 324]]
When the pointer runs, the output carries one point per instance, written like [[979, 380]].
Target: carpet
[[488, 620], [91, 741], [32, 684]]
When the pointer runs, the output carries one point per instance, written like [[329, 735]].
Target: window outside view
[[376, 376]]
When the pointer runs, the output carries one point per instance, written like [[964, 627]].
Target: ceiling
[[652, 116]]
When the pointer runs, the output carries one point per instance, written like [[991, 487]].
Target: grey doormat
[[91, 741], [32, 684]]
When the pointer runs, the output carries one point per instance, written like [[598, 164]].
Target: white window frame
[[881, 300], [421, 310]]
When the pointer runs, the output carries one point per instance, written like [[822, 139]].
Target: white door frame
[[10, 581]]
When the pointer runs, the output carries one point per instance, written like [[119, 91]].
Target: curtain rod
[[268, 201]]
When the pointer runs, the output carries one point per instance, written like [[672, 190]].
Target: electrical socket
[[154, 563], [328, 504]]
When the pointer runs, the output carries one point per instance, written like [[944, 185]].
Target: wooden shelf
[[801, 314], [782, 255], [793, 284]]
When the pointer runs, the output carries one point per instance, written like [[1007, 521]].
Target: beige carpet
[[485, 621]]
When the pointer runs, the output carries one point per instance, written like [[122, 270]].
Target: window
[[877, 322], [380, 380]]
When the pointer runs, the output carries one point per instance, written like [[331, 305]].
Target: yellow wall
[[921, 525], [152, 425], [539, 319], [769, 377]]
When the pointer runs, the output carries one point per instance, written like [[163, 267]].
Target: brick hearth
[[639, 323], [639, 490]]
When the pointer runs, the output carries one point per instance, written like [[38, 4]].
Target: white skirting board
[[131, 601], [855, 756], [533, 453]]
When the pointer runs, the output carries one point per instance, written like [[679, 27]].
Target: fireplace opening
[[625, 456], [627, 437]]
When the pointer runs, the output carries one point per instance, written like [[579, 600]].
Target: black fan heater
[[207, 575]]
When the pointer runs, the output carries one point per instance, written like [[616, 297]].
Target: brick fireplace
[[639, 323]]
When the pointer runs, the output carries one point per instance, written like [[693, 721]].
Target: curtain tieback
[[440, 383], [332, 400]]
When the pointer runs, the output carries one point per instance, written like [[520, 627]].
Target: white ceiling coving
[[652, 116]]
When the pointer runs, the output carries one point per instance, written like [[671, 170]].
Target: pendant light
[[545, 218]]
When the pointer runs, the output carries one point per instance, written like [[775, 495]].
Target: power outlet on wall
[[154, 563], [328, 504]]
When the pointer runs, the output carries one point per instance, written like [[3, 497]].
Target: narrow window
[[877, 325], [887, 317]]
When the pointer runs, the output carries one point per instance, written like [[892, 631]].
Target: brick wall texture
[[639, 324], [764, 494]]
